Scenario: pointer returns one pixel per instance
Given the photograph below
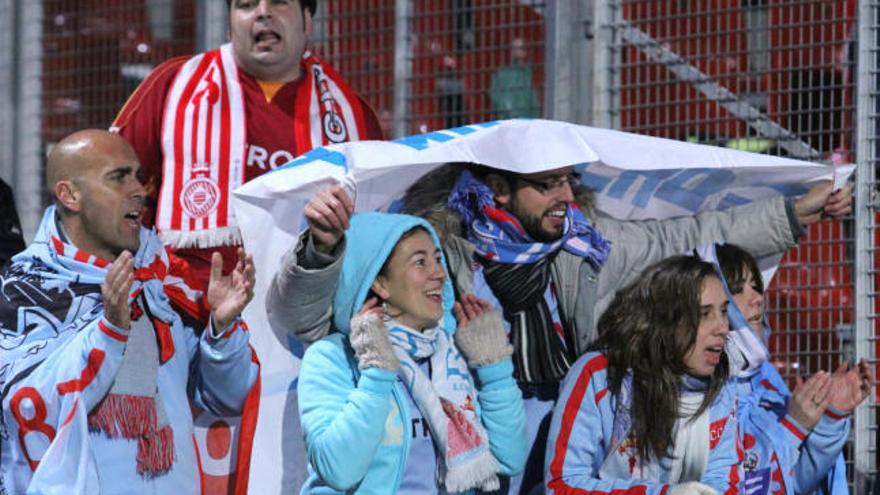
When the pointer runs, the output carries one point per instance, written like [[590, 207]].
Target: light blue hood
[[370, 239]]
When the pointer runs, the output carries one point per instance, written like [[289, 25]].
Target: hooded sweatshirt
[[356, 422]]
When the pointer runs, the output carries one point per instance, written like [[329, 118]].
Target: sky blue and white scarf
[[55, 279], [447, 400]]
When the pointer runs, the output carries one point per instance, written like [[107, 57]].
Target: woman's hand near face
[[810, 399], [369, 338], [480, 335], [371, 306], [468, 308]]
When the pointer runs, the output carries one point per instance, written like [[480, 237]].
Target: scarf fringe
[[478, 472], [134, 417], [155, 454], [124, 416], [218, 236], [206, 100]]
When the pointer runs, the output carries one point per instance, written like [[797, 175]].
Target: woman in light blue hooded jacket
[[399, 399]]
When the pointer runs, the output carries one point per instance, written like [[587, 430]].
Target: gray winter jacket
[[300, 298], [763, 228]]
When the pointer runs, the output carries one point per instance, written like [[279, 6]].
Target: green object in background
[[754, 145], [512, 94]]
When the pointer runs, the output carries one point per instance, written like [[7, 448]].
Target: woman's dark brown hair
[[736, 264], [648, 329]]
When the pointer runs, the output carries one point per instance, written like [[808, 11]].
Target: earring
[[385, 316]]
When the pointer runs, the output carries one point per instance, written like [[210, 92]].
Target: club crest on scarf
[[331, 121], [204, 141], [200, 194], [499, 236]]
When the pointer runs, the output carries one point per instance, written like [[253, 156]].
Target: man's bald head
[[93, 176], [73, 156]]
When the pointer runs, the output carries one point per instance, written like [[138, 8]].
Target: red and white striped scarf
[[204, 141]]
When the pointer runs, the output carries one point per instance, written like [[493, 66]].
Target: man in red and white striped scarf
[[204, 125]]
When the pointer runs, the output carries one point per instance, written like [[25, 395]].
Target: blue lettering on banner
[[322, 154], [789, 190], [706, 182], [730, 199], [423, 141], [687, 188], [594, 181], [652, 179]]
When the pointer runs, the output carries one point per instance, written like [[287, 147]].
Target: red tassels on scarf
[[134, 417]]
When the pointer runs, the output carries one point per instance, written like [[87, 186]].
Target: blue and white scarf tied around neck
[[499, 236], [447, 400]]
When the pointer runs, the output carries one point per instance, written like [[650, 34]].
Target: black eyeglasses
[[553, 185]]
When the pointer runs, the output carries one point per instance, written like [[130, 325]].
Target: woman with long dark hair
[[648, 408]]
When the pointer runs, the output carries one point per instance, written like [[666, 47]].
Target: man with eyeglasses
[[533, 245]]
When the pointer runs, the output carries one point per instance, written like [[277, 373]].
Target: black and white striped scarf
[[539, 355]]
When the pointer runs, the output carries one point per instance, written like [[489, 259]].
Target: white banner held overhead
[[635, 177]]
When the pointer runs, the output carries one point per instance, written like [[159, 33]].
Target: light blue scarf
[[447, 400]]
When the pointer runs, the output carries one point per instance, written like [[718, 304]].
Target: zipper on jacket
[[405, 420]]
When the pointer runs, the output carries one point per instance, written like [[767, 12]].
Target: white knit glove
[[692, 488], [372, 347], [483, 340]]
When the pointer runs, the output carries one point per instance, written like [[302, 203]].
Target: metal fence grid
[[771, 76], [866, 230], [475, 60], [357, 38], [774, 76], [95, 53]]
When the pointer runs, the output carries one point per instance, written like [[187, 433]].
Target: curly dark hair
[[648, 329], [311, 5]]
